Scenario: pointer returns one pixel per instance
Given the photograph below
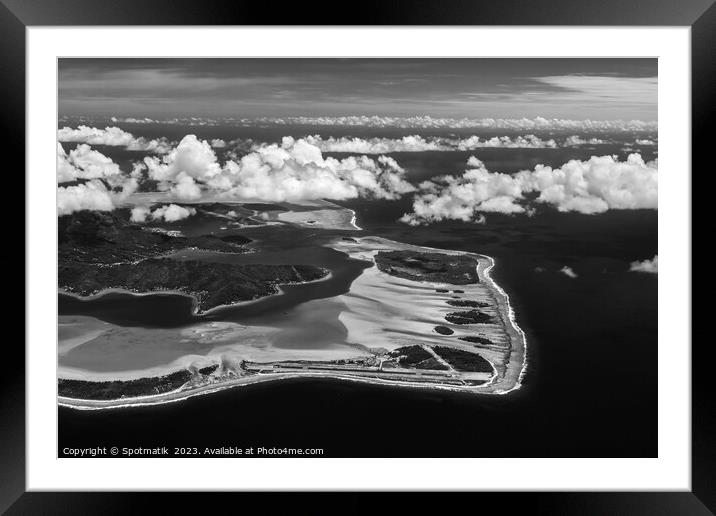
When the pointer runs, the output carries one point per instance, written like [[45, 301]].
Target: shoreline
[[518, 338], [195, 302], [181, 395], [513, 323], [513, 375]]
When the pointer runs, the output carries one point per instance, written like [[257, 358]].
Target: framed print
[[420, 252]]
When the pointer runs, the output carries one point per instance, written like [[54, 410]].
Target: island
[[102, 252], [388, 313], [105, 238]]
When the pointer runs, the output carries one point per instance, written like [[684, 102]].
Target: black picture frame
[[17, 15]]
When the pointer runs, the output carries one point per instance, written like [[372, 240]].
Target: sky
[[597, 89]]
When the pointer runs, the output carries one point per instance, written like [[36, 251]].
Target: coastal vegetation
[[463, 360], [468, 317], [434, 267], [416, 357], [211, 284], [443, 330], [100, 251], [110, 390], [109, 238], [477, 340], [466, 302]]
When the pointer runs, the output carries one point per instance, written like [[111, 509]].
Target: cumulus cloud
[[66, 171], [592, 186], [416, 143], [519, 124], [84, 163], [113, 136], [193, 157], [92, 163], [416, 122], [131, 120], [185, 188], [138, 169], [172, 213], [292, 171], [92, 195], [104, 182], [296, 170], [193, 120], [218, 143], [130, 185], [377, 145], [461, 198], [94, 136], [568, 271], [596, 185], [139, 214], [576, 141], [168, 213], [650, 266], [529, 141]]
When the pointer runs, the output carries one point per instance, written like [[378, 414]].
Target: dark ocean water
[[591, 385]]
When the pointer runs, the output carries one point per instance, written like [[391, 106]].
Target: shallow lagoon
[[304, 315]]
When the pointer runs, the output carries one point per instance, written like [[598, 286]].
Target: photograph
[[357, 257]]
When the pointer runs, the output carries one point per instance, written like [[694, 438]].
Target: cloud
[[193, 157], [172, 213], [568, 271], [85, 163], [529, 141], [520, 124], [105, 182], [130, 185], [295, 170], [377, 145], [92, 195], [138, 169], [92, 163], [416, 143], [461, 198], [139, 214], [596, 185], [113, 136], [650, 266], [94, 136], [185, 188], [66, 171], [593, 186], [576, 141], [168, 213], [410, 122], [218, 143], [131, 120]]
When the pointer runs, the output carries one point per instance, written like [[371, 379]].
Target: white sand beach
[[384, 311]]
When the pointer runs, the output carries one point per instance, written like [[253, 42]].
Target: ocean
[[591, 384]]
